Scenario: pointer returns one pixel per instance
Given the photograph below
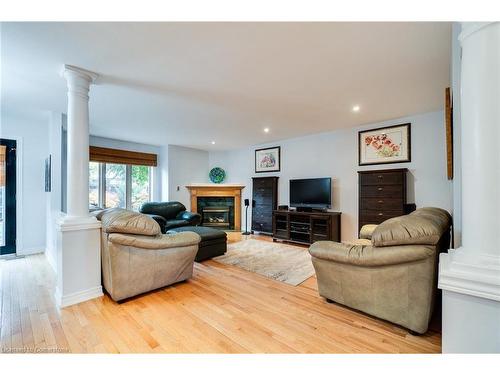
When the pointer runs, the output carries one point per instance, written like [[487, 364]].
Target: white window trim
[[128, 187], [151, 181], [102, 184]]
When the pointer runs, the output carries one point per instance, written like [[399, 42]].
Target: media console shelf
[[306, 227]]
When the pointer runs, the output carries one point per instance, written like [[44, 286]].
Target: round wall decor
[[217, 175]]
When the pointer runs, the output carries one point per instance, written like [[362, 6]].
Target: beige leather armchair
[[137, 258], [391, 272]]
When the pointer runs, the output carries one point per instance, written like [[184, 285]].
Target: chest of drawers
[[382, 195], [265, 199]]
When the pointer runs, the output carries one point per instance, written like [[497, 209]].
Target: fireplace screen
[[216, 216]]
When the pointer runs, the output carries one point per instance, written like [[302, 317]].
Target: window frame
[[100, 184], [128, 184]]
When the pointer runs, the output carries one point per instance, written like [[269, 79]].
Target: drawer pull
[[380, 201], [380, 189], [380, 214], [379, 176]]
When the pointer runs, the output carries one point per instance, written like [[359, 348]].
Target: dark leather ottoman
[[213, 241]]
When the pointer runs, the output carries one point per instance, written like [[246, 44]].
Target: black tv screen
[[311, 192]]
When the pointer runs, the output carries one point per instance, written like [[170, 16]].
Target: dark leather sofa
[[170, 215]]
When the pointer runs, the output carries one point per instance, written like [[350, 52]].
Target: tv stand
[[319, 210], [303, 209], [310, 209], [306, 227]]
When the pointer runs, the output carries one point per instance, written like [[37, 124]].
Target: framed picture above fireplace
[[268, 159]]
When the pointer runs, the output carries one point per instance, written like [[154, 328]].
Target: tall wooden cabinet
[[265, 201], [382, 195]]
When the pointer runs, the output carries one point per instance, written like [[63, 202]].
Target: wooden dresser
[[265, 201], [382, 195]]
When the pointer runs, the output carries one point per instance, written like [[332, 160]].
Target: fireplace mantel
[[218, 190], [212, 186]]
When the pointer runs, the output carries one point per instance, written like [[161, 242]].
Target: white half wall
[[470, 324], [335, 154], [31, 132]]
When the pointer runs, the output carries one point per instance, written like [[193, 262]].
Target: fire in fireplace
[[215, 216]]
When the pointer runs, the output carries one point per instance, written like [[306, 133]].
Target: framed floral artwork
[[268, 159], [391, 144]]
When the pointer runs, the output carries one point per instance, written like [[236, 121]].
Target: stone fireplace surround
[[221, 191]]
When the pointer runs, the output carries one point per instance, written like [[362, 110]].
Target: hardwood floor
[[222, 309]]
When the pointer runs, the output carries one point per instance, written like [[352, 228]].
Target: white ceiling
[[191, 83]]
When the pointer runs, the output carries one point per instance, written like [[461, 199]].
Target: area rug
[[286, 263]]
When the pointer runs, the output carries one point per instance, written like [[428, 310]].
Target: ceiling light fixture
[[213, 142], [356, 108], [266, 130]]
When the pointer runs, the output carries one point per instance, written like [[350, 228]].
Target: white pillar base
[[78, 260], [470, 324], [471, 301], [465, 271]]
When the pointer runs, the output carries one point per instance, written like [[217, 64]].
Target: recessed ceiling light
[[266, 130], [213, 142], [356, 108]]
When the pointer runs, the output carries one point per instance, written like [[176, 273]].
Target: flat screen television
[[311, 193]]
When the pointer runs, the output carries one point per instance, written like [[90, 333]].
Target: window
[[140, 186], [94, 184], [118, 185]]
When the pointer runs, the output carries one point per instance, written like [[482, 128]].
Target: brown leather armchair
[[137, 258], [391, 273]]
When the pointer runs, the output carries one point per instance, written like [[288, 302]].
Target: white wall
[[138, 147], [31, 131], [185, 166], [335, 154], [53, 203], [163, 171]]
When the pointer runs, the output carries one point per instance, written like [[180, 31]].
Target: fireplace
[[216, 217], [217, 195], [216, 212]]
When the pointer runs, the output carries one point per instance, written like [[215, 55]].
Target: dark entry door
[[7, 196]]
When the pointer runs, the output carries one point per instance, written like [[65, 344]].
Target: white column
[[78, 240], [481, 134], [470, 275], [78, 81]]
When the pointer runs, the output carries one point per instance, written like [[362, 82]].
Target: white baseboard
[[74, 298], [30, 251]]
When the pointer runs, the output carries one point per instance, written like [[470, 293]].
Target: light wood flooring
[[222, 309]]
